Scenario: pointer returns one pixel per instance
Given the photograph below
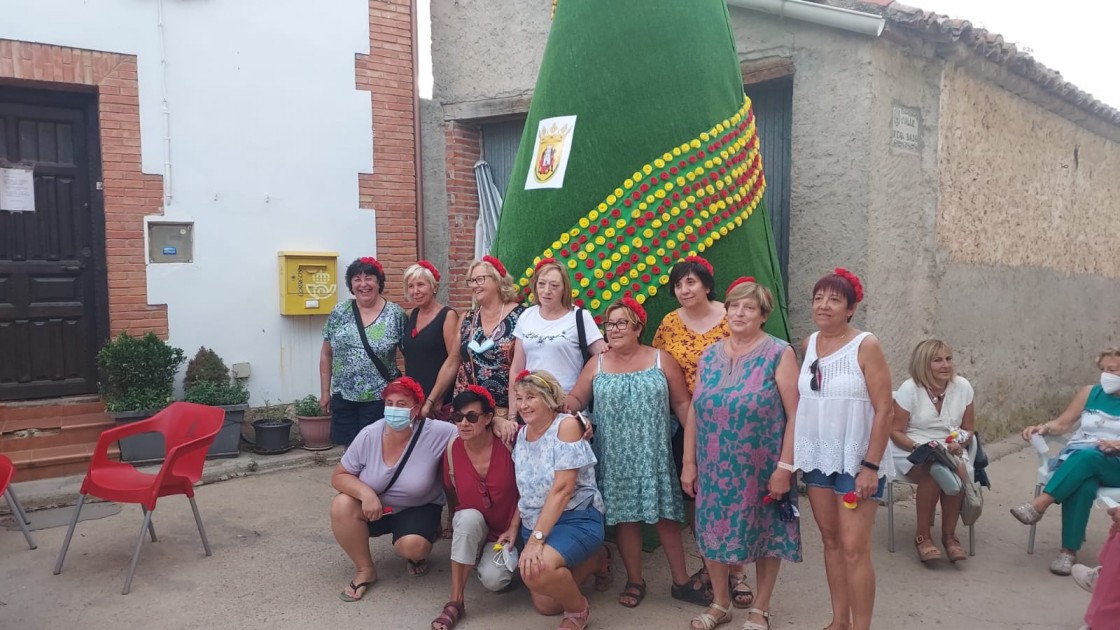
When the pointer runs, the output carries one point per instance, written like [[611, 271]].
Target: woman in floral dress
[[738, 454]]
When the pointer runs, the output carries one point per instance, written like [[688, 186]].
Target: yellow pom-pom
[[629, 183], [609, 233], [641, 298], [595, 304], [653, 289], [610, 200], [583, 222], [598, 273], [647, 169], [583, 282], [565, 238], [571, 264], [606, 265], [607, 295]]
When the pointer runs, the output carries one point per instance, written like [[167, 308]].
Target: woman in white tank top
[[840, 434]]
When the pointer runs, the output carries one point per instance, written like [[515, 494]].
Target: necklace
[[935, 398]]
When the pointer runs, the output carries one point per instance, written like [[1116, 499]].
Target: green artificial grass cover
[[663, 159]]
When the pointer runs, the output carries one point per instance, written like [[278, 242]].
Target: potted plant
[[272, 429], [208, 382], [137, 379], [314, 427]]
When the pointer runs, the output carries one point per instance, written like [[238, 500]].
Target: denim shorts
[[576, 536], [841, 483]]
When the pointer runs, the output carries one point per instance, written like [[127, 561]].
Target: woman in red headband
[[430, 340]]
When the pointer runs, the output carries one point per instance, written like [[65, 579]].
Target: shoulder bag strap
[[381, 369], [581, 333], [404, 458]]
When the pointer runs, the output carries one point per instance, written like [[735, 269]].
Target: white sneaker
[[1063, 564], [1085, 577]]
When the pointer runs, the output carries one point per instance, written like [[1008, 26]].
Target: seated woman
[[1086, 463], [928, 407], [478, 478], [375, 498], [561, 509]]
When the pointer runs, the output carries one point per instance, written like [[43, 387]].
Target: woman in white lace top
[[840, 434]]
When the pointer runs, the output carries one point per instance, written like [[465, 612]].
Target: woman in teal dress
[[634, 386], [738, 454]]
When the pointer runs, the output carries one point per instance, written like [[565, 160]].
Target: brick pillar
[[388, 73], [464, 148]]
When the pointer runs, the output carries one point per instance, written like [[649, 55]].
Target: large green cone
[[655, 84]]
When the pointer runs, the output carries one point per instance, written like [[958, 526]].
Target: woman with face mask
[[1089, 460], [388, 483]]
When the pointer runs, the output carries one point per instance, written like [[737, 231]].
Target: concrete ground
[[275, 565]]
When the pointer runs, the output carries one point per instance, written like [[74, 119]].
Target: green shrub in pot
[[137, 373]]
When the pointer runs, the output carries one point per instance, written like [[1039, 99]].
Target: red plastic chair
[[7, 471], [188, 431]]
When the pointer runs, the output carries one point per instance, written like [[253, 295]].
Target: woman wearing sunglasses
[[482, 490], [841, 430]]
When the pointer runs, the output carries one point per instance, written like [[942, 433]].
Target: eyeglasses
[[621, 324], [477, 281], [458, 416], [818, 375], [485, 492]]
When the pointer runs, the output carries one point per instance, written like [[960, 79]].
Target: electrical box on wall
[[308, 282], [170, 242]]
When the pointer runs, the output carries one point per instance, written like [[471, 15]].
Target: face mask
[[1110, 382], [398, 417]]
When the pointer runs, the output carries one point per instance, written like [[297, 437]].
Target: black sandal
[[693, 592], [634, 592], [741, 594]]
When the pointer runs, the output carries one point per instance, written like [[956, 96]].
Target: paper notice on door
[[17, 190]]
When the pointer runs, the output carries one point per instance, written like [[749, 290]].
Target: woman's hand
[[1109, 447], [779, 483], [325, 403], [867, 483], [688, 479], [426, 409], [1041, 429], [371, 508], [954, 448], [505, 429], [507, 538], [532, 559]]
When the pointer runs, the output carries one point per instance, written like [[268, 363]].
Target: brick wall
[[390, 191], [464, 148], [129, 195]]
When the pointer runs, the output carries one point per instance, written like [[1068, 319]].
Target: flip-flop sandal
[[633, 594], [604, 577], [354, 587], [741, 594], [418, 569], [452, 613]]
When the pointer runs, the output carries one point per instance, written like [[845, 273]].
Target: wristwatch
[[538, 536]]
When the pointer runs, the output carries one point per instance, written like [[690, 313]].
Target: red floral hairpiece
[[370, 260], [522, 375], [702, 262], [430, 267], [852, 279], [483, 392], [633, 305], [543, 262], [412, 386], [496, 264], [736, 282]]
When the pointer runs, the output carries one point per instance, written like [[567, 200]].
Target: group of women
[[532, 485]]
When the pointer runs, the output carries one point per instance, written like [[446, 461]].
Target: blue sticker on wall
[[170, 251]]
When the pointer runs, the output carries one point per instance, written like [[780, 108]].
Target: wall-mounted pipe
[[165, 109], [834, 17]]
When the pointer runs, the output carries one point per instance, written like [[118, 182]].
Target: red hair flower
[[496, 264], [736, 282], [543, 262], [483, 393], [370, 260], [633, 305], [852, 279], [430, 267], [405, 385], [702, 262], [522, 375]]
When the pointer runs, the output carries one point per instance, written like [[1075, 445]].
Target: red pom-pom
[[522, 375], [430, 267], [852, 279], [415, 332], [370, 260], [483, 392], [543, 262], [496, 264], [633, 305], [700, 261], [736, 282]]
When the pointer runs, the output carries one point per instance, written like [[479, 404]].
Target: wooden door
[[52, 318]]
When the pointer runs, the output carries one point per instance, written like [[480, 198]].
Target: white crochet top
[[834, 424]]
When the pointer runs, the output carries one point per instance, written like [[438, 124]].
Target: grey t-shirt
[[420, 482]]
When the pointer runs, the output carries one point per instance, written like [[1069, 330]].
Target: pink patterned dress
[[740, 422]]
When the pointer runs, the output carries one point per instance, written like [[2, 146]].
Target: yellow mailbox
[[308, 282]]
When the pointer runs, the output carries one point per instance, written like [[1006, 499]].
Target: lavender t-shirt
[[420, 482]]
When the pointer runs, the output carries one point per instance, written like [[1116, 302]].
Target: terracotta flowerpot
[[315, 432]]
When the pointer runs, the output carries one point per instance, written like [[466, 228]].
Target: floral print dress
[[740, 423], [486, 358], [353, 374]]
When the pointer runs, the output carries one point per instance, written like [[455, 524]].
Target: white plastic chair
[[888, 498], [1042, 447]]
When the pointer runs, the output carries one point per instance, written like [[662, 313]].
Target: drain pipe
[[165, 109], [822, 14]]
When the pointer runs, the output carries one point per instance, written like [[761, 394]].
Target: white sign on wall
[[906, 127], [17, 190], [551, 152]]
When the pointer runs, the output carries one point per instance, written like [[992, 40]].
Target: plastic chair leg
[[890, 515], [69, 534], [1030, 537], [151, 526], [972, 540], [21, 518], [136, 554], [201, 530]]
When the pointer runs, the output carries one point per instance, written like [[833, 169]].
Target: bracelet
[[867, 464], [785, 466]]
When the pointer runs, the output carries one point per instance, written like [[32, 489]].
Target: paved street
[[275, 565]]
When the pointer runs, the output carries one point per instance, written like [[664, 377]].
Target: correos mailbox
[[308, 282]]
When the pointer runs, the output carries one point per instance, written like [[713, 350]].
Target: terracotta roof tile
[[991, 46]]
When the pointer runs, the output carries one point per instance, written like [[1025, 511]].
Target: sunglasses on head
[[471, 416], [818, 375]]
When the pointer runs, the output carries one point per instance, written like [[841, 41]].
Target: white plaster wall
[[268, 135]]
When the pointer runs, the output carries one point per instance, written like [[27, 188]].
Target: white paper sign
[[906, 127], [17, 190], [551, 153]]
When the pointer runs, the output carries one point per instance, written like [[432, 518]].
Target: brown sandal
[[927, 551], [954, 549], [452, 613], [633, 594]]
